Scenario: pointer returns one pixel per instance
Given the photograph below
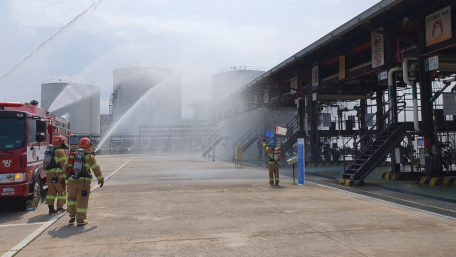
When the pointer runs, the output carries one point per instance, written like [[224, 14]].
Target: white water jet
[[70, 95], [150, 95], [92, 6]]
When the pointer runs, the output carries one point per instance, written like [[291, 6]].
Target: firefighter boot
[[52, 210], [72, 219], [84, 222]]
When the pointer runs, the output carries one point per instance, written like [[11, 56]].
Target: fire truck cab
[[25, 131]]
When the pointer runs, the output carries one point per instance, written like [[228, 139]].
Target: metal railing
[[212, 139], [243, 67], [292, 128], [244, 139], [70, 81], [372, 133]]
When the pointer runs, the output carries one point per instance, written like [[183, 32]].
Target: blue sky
[[198, 37]]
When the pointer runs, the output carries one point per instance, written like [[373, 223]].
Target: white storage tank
[[145, 94], [228, 80], [78, 101]]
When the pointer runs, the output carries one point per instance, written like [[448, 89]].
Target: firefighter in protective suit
[[54, 173], [274, 153], [79, 177]]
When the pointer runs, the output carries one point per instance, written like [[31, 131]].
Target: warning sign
[[378, 51], [342, 67], [438, 26]]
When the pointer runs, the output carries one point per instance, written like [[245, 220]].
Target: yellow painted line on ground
[[46, 225]]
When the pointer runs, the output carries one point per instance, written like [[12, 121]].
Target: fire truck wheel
[[37, 192]]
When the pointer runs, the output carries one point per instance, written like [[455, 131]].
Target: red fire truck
[[25, 131]]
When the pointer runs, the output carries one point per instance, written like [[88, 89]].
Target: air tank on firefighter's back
[[79, 101], [160, 107]]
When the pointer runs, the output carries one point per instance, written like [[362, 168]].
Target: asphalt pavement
[[187, 205]]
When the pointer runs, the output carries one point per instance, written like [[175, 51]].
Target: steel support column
[[425, 95], [362, 120], [314, 140]]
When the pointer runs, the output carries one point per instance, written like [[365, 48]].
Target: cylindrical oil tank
[[78, 101], [145, 95], [228, 80]]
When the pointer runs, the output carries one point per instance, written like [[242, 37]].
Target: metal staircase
[[287, 142], [213, 141], [246, 140], [380, 140]]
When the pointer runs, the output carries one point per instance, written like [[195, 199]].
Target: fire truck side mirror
[[41, 126], [40, 138]]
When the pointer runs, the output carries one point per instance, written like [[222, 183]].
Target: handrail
[[210, 140], [241, 140], [291, 125], [244, 139], [370, 132]]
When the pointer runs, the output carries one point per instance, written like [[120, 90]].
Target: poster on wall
[[438, 26]]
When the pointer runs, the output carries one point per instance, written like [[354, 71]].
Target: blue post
[[301, 162]]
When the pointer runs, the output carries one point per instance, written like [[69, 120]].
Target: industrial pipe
[[447, 83], [390, 87], [398, 44], [405, 69], [405, 75], [307, 115]]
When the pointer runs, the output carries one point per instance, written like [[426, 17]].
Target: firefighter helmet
[[84, 142], [58, 140], [272, 143]]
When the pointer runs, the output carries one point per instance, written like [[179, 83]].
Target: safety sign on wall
[[294, 85], [431, 63], [449, 103], [315, 74], [382, 76], [438, 26], [378, 51], [342, 67]]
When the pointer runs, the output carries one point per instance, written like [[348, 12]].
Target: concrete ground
[[186, 205]]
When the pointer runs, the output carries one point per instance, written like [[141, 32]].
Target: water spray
[[92, 6], [68, 96], [151, 92]]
